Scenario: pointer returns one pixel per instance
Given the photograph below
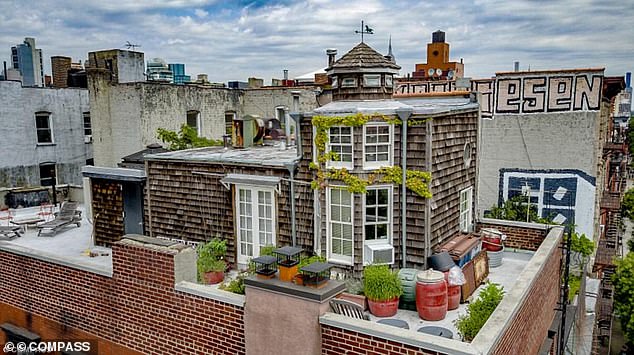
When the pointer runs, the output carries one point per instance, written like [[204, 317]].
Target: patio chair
[[9, 232], [348, 308], [68, 214]]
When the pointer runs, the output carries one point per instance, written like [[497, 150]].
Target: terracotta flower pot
[[383, 308], [214, 277]]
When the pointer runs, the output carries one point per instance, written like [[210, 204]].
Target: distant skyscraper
[[179, 73], [28, 61], [158, 70]]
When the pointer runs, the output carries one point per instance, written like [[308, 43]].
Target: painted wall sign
[[524, 92], [565, 196]]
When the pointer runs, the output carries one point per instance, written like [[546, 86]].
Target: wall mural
[[566, 196], [524, 92]]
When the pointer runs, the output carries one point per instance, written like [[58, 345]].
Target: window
[[349, 83], [334, 82], [388, 81], [340, 227], [465, 209], [280, 114], [372, 80], [340, 142], [377, 146], [193, 121], [255, 218], [87, 128], [466, 155], [229, 117], [44, 127], [378, 207], [47, 174]]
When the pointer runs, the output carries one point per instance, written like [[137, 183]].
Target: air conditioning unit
[[378, 254], [87, 139]]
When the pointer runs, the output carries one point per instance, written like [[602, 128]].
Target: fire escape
[[615, 154]]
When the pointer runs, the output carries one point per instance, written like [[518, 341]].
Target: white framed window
[[388, 81], [377, 145], [466, 212], [334, 82], [339, 225], [44, 127], [255, 221], [377, 214], [340, 141], [349, 83], [372, 80], [229, 117], [87, 127], [193, 121]]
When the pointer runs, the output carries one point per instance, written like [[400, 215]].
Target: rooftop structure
[[28, 61], [158, 70], [438, 66]]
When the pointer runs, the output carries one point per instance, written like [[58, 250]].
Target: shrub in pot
[[211, 264], [383, 288], [479, 311]]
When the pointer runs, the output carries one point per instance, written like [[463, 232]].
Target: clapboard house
[[372, 137]]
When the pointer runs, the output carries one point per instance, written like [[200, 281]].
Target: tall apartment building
[[28, 61], [178, 70]]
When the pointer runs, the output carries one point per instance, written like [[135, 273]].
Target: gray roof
[[363, 56], [118, 174], [419, 106], [272, 156]]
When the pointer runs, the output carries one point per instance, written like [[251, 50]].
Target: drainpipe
[[428, 167], [291, 170], [404, 113]]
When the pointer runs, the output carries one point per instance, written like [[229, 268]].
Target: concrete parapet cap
[[531, 225], [155, 244], [405, 336], [209, 292]]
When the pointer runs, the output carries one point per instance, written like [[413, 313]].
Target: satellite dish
[[431, 71], [450, 74], [439, 72]]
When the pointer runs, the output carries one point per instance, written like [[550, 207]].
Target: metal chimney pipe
[[5, 71], [285, 74], [331, 53]]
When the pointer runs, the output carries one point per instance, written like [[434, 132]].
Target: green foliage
[[416, 181], [236, 285], [515, 209], [479, 311], [354, 286], [211, 256], [380, 283], [574, 283], [630, 243], [629, 135], [580, 243], [623, 280], [627, 204], [411, 123], [186, 138], [353, 183], [267, 250]]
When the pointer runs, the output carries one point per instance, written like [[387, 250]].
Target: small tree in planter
[[383, 288], [479, 311], [211, 263]]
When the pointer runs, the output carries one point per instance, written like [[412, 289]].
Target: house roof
[[138, 156], [363, 56], [418, 105], [271, 156]]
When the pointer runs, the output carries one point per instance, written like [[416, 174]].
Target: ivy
[[185, 138], [418, 122], [416, 181]]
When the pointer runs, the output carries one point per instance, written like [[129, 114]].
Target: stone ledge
[[505, 223], [209, 292], [72, 262], [404, 336]]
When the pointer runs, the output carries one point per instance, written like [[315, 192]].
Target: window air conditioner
[[378, 254]]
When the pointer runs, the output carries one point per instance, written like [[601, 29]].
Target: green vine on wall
[[416, 181]]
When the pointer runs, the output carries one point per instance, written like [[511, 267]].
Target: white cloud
[[233, 43]]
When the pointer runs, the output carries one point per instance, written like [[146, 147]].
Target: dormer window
[[372, 80], [349, 83]]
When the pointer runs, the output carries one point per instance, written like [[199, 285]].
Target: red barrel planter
[[431, 295], [491, 241], [383, 308]]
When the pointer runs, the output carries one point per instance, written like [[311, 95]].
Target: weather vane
[[365, 29]]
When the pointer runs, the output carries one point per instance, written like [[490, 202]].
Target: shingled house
[[350, 203]]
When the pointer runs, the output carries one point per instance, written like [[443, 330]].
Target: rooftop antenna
[[129, 45], [365, 29]]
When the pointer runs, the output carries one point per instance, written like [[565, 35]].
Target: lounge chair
[[348, 308], [9, 232], [68, 214]]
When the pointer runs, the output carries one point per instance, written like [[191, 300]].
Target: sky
[[234, 40]]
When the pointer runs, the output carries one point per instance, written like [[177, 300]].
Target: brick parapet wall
[[138, 307], [519, 235]]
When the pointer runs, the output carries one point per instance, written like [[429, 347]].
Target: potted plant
[[211, 263], [479, 311], [383, 288]]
